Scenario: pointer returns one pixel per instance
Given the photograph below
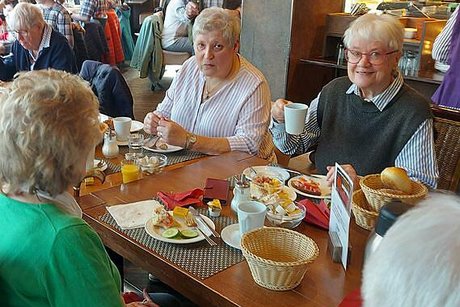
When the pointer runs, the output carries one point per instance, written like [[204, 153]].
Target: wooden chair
[[447, 147]]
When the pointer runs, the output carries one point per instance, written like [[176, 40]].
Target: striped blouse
[[239, 111], [417, 157], [441, 44]]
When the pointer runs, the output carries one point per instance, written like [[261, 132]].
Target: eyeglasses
[[374, 57], [22, 33]]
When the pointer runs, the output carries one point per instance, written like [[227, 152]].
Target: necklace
[[209, 91]]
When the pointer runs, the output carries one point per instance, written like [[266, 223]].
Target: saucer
[[231, 235]]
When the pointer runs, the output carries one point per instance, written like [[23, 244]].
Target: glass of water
[[136, 143]]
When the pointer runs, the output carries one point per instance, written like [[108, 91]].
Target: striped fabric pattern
[[45, 43], [239, 111], [441, 44], [417, 156], [59, 19]]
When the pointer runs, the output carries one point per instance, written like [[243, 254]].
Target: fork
[[152, 142], [190, 222]]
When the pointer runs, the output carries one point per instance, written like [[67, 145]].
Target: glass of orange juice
[[130, 170]]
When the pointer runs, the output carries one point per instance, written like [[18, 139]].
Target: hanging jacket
[[148, 54], [110, 87], [127, 42]]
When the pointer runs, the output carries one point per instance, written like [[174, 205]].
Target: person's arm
[[418, 157], [185, 13], [442, 42], [87, 9], [297, 144], [8, 64], [64, 26]]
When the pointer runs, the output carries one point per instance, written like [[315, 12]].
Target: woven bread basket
[[365, 216], [278, 258], [377, 195]]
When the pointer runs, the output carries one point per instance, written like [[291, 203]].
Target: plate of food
[[163, 148], [314, 186], [166, 227], [265, 170]]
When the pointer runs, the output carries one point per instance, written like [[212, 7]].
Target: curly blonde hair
[[48, 125], [218, 19]]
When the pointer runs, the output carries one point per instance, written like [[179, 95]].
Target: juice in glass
[[129, 172]]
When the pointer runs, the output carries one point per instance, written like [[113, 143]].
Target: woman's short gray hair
[[24, 16], [48, 125], [218, 19], [371, 27]]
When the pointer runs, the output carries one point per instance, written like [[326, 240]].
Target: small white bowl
[[409, 32]]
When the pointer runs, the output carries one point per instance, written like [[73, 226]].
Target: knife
[[202, 223]]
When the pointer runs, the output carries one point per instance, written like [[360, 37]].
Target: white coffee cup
[[251, 215], [122, 127], [294, 117]]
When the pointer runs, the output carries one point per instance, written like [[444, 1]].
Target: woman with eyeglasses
[[37, 45], [370, 119]]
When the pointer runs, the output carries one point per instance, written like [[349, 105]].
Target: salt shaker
[[240, 193], [110, 146]]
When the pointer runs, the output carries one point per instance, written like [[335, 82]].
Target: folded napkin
[[353, 299], [172, 200], [133, 215], [317, 214]]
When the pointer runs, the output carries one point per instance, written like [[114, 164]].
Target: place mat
[[199, 259], [173, 158]]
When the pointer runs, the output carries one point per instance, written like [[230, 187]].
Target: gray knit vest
[[354, 131]]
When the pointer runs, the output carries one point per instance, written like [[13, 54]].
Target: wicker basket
[[377, 195], [365, 216], [278, 257]]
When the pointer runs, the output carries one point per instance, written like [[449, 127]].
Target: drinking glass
[[130, 170], [136, 143]]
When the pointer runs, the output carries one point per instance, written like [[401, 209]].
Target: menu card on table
[[339, 223]]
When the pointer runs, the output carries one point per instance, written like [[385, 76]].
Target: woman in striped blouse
[[218, 102], [370, 119]]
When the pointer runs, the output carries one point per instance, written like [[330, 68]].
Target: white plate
[[267, 171], [103, 167], [136, 126], [156, 231], [171, 148], [122, 143], [321, 180], [231, 235]]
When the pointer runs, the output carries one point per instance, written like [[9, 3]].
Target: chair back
[[447, 147], [171, 57]]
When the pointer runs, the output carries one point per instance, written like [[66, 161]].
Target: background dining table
[[325, 284]]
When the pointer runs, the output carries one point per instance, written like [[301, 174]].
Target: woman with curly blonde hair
[[48, 255]]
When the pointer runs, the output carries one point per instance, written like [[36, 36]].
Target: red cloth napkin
[[181, 199], [353, 299], [317, 214], [130, 297]]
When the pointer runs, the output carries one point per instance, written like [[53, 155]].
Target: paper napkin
[[133, 215], [317, 214]]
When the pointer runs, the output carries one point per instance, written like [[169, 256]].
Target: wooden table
[[326, 283]]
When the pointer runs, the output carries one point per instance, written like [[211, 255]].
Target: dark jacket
[[58, 55], [110, 87]]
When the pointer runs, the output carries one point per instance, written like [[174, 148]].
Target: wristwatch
[[190, 140]]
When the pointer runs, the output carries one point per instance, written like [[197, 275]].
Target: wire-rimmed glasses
[[374, 57]]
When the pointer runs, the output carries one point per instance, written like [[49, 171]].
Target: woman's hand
[[171, 132], [146, 302], [191, 10], [151, 122], [349, 169], [278, 109]]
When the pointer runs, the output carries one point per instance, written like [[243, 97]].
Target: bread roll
[[396, 178]]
